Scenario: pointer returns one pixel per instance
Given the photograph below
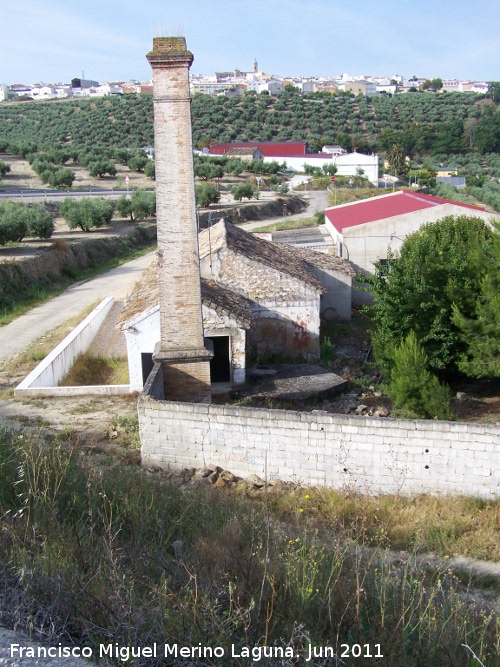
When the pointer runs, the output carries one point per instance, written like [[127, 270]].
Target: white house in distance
[[294, 154], [347, 164], [363, 231]]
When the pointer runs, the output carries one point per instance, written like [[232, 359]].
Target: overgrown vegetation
[[438, 269], [139, 206], [31, 282], [412, 387], [90, 371], [86, 214], [20, 220], [418, 122], [116, 556]]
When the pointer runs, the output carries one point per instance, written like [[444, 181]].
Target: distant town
[[237, 82]]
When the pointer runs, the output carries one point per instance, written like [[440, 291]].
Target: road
[[54, 195], [318, 201], [117, 282]]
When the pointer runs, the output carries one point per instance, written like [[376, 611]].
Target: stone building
[[288, 287], [258, 299], [226, 318]]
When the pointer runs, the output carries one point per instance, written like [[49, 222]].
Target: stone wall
[[286, 310], [369, 455]]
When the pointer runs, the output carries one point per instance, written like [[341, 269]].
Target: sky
[[56, 40]]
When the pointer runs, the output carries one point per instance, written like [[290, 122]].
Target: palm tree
[[396, 158]]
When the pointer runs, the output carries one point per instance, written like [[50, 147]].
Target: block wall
[[369, 455]]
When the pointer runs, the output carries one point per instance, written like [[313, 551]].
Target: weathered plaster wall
[[218, 325], [144, 333], [286, 310], [369, 455]]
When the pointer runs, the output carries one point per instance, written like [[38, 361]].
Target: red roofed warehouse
[[364, 230]]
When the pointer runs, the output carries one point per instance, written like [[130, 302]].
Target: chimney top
[[169, 49]]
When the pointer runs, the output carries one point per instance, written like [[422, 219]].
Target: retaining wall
[[367, 454], [44, 379]]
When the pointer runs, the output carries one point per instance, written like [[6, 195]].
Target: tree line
[[127, 123], [18, 220]]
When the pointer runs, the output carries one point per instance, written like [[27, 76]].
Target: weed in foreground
[[117, 556]]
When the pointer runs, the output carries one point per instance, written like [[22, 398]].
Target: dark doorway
[[147, 365], [220, 366]]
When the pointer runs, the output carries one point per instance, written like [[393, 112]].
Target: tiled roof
[[226, 302], [280, 257], [268, 148], [385, 206], [247, 150], [145, 297], [322, 260]]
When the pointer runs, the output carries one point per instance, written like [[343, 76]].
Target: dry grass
[[289, 224], [346, 195], [447, 526], [22, 175], [29, 358], [126, 556], [91, 371]]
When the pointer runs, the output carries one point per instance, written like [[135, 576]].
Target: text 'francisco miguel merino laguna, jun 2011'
[[255, 653]]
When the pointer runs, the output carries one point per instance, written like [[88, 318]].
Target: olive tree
[[86, 213]]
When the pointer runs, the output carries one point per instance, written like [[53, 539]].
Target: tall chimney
[[181, 351]]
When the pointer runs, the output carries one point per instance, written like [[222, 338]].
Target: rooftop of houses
[[144, 298], [296, 262], [385, 206], [268, 148], [244, 150]]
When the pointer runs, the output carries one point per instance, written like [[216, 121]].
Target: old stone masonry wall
[[369, 455]]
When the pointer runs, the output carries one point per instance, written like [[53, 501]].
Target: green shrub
[[413, 387], [86, 213], [40, 222], [206, 194], [243, 191], [149, 169], [138, 161], [62, 178], [101, 167], [13, 225], [326, 349], [4, 168], [140, 206]]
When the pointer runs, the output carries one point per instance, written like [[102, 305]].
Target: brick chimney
[[181, 351]]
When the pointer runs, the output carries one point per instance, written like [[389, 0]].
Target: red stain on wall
[[301, 336]]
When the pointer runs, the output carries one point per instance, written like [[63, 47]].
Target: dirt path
[[318, 201], [117, 282]]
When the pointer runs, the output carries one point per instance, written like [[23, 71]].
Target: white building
[[43, 92], [347, 164]]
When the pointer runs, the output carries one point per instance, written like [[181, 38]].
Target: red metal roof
[[385, 206], [268, 148]]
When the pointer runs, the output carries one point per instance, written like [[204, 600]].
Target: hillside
[[436, 122]]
